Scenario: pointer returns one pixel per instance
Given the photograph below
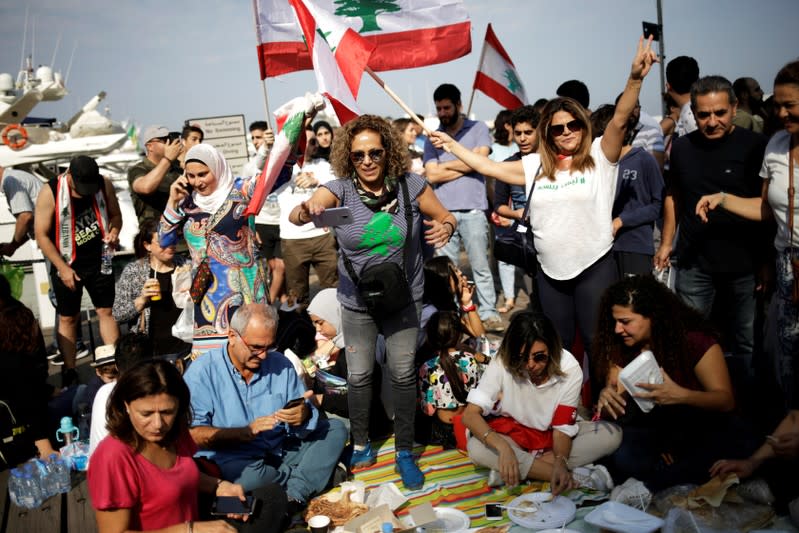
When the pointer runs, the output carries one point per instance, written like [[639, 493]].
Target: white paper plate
[[621, 518], [449, 521], [551, 514], [559, 530]]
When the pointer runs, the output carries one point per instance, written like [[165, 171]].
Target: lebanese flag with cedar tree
[[497, 76], [338, 74], [405, 33]]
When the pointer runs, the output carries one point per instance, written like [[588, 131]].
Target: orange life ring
[[19, 132]]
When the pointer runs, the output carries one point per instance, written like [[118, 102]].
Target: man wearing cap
[[151, 177], [75, 214]]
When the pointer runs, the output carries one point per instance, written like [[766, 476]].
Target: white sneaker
[[81, 350], [633, 493], [495, 479], [595, 477]]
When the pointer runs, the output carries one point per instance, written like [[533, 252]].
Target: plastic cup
[[153, 283], [319, 523]]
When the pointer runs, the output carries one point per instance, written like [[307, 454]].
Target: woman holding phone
[[143, 477], [388, 205]]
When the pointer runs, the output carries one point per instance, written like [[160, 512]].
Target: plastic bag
[[15, 276], [183, 328]]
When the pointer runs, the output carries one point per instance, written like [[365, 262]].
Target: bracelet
[[189, 527], [486, 434], [469, 308], [565, 461], [170, 160], [451, 227]]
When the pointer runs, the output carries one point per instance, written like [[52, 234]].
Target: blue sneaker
[[412, 477], [363, 458]]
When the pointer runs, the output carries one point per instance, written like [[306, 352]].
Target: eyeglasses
[[537, 357], [375, 155], [704, 115], [254, 350], [559, 129]]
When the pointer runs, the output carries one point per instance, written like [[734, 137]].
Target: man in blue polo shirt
[[243, 417], [463, 192]]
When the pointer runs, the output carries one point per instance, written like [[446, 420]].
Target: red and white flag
[[339, 56], [497, 76], [406, 33]]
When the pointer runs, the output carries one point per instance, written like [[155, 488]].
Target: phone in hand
[[335, 216], [493, 511], [294, 403], [225, 505]]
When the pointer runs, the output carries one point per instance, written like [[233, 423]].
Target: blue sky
[[162, 62]]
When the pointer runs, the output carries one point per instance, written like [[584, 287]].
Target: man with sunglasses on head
[[462, 191], [151, 177], [721, 256], [245, 419]]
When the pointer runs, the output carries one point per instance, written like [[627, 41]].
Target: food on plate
[[494, 529], [526, 509], [340, 511]]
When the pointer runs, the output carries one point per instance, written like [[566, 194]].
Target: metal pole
[[263, 81], [662, 59], [480, 64]]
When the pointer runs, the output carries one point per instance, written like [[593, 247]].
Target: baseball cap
[[154, 132], [85, 175], [104, 355]]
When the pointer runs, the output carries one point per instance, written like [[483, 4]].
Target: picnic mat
[[450, 480]]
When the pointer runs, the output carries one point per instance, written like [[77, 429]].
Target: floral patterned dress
[[434, 388]]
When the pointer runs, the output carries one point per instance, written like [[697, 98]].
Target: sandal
[[507, 307]]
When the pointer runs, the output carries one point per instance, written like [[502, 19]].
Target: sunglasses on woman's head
[[376, 156], [559, 129]]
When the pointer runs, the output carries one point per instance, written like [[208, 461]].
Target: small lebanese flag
[[497, 76], [406, 33], [339, 57], [290, 118]]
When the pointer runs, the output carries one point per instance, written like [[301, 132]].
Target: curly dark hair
[[671, 321], [147, 379], [397, 159], [525, 328]]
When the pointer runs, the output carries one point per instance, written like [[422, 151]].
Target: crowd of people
[[233, 378]]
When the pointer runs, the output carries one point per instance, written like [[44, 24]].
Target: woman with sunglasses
[[573, 183], [522, 415], [690, 425], [370, 159]]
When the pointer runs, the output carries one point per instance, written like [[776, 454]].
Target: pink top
[[121, 478]]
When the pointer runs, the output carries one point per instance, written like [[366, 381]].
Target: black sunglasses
[[375, 155], [538, 357], [559, 129]]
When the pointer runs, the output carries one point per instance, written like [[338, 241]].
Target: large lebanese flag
[[406, 33], [338, 74], [497, 76]]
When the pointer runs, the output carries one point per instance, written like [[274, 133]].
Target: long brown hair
[[443, 334], [581, 160], [397, 159]]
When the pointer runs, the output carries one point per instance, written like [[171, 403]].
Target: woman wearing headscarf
[[208, 203]]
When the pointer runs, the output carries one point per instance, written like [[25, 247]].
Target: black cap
[[85, 175]]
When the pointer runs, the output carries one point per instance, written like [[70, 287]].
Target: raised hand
[[644, 58]]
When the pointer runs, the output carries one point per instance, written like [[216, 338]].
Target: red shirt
[[121, 478]]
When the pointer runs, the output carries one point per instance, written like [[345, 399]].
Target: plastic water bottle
[[107, 259], [43, 473], [60, 472], [31, 496], [15, 489]]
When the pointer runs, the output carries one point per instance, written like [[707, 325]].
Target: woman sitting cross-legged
[[446, 379], [523, 414], [142, 477], [690, 425]]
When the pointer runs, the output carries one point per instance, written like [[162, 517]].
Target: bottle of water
[[30, 493], [60, 472], [43, 473], [272, 206], [15, 489], [107, 259]]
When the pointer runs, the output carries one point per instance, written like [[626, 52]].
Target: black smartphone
[[188, 187], [651, 29], [294, 403], [225, 505], [173, 136], [493, 511]]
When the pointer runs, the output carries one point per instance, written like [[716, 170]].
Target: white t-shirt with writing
[[571, 215]]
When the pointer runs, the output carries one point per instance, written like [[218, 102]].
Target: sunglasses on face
[[537, 357], [559, 129], [703, 115], [376, 156]]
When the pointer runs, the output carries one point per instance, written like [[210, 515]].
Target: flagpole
[[482, 56], [263, 81], [396, 98]]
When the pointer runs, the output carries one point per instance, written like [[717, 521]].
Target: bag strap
[[406, 202], [791, 194], [529, 197]]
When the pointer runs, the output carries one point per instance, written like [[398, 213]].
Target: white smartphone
[[334, 216]]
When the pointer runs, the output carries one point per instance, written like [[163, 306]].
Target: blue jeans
[[473, 232], [507, 278], [360, 334], [304, 469], [698, 289]]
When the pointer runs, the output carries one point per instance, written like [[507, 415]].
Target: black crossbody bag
[[517, 248]]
